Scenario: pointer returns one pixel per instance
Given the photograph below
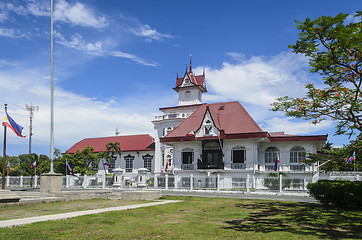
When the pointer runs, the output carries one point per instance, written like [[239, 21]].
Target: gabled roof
[[128, 143], [230, 118], [198, 81]]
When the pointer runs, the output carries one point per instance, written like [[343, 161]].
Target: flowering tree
[[334, 48]]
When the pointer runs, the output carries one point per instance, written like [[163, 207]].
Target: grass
[[31, 210], [204, 218]]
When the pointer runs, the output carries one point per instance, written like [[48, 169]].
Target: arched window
[[169, 160], [271, 154], [187, 156], [187, 95], [297, 154], [168, 130], [238, 154]]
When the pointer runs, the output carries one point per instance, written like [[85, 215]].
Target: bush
[[341, 193]]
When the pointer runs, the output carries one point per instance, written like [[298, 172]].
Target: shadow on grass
[[299, 218]]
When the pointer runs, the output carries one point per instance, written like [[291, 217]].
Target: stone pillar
[[141, 177], [117, 177], [35, 181], [51, 182]]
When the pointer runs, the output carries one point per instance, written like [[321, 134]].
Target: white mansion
[[208, 140]]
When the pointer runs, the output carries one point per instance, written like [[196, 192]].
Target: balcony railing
[[238, 166], [171, 116], [210, 166], [187, 166]]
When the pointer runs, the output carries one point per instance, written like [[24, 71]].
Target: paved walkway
[[23, 221]]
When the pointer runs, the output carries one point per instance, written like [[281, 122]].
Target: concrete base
[[7, 196], [51, 182], [140, 195]]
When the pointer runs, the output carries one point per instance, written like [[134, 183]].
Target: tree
[[82, 162], [334, 50], [112, 149]]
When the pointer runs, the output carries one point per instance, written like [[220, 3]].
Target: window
[[147, 162], [129, 163], [297, 154], [187, 156], [271, 154], [169, 160], [187, 95], [238, 154], [168, 130]]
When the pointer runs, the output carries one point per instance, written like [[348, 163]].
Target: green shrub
[[341, 193]]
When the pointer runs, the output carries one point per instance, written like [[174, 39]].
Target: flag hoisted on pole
[[276, 163], [10, 123], [351, 159], [68, 166], [8, 168]]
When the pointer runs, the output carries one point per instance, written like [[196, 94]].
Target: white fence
[[214, 182]]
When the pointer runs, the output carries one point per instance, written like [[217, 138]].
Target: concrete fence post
[[191, 182], [21, 181], [280, 183], [248, 183], [67, 181], [35, 181], [7, 180], [166, 181], [218, 182], [104, 181]]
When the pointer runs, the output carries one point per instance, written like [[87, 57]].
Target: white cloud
[[292, 126], [258, 80], [134, 58], [78, 14], [12, 33], [149, 33], [76, 117]]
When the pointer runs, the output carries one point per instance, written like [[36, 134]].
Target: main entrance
[[211, 155]]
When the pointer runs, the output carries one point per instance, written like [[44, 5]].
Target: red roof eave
[[298, 138]]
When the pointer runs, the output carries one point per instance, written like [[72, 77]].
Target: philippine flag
[[166, 168], [9, 122], [70, 169], [33, 165], [191, 133], [106, 163], [352, 158], [276, 163], [8, 167]]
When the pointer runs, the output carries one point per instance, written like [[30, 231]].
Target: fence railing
[[215, 182]]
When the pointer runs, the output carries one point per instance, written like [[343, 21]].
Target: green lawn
[[204, 218]]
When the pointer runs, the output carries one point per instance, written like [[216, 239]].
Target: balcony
[[171, 116], [238, 166], [202, 165], [187, 166]]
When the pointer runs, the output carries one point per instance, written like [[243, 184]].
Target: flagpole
[[4, 154], [51, 90]]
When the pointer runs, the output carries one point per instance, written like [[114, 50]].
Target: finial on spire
[[177, 76], [186, 68], [190, 63], [203, 72]]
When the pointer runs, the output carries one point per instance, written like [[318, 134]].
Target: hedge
[[341, 193]]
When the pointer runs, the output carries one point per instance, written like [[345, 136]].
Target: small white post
[[218, 182], [280, 183], [191, 182], [84, 181], [155, 181], [7, 181], [166, 181], [35, 181], [67, 181], [248, 183], [104, 181], [21, 181]]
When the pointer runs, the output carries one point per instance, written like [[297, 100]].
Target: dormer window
[[187, 81], [187, 95], [208, 127]]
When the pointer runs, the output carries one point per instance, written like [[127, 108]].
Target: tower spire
[[190, 63]]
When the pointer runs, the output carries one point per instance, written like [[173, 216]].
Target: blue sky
[[116, 61]]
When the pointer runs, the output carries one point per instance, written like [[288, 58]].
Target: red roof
[[128, 143], [229, 117], [282, 137], [197, 80]]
